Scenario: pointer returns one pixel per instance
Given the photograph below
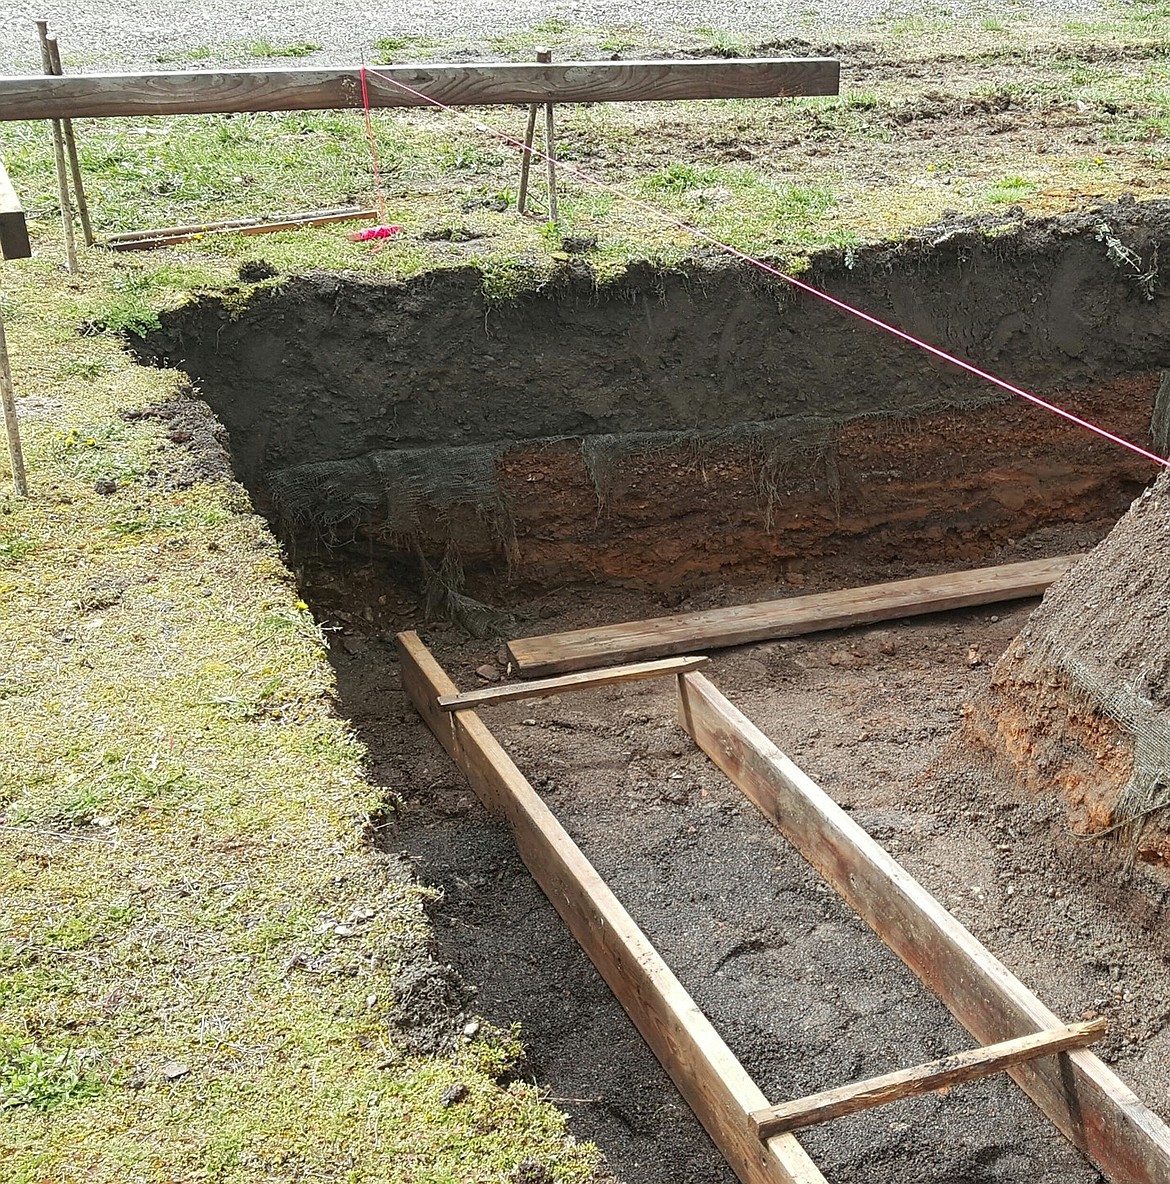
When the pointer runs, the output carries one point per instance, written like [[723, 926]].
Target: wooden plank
[[972, 1064], [1078, 1092], [586, 680], [14, 242], [150, 239], [457, 84], [708, 1076], [659, 637]]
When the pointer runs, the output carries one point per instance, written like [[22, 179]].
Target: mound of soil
[[1079, 705]]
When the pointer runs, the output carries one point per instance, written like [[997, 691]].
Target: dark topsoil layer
[[327, 368]]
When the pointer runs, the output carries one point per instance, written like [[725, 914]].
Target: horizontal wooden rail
[[741, 624], [585, 680], [202, 92], [1082, 1096], [972, 1064], [714, 1084], [14, 242]]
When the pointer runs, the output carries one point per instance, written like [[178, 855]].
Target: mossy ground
[[198, 946]]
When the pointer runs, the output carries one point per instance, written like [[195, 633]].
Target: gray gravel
[[109, 34]]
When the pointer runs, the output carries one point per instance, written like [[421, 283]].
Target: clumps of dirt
[[1079, 706], [202, 455], [255, 271], [430, 1007]]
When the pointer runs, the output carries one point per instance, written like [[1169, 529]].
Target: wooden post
[[550, 145], [8, 401], [59, 155], [71, 150], [526, 160]]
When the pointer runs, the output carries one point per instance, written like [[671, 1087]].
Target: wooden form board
[[660, 637], [586, 680], [972, 1064], [1078, 1092], [323, 88], [714, 1084], [14, 242]]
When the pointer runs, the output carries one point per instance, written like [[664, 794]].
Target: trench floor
[[801, 991]]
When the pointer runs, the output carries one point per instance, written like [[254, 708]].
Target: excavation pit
[[696, 437], [708, 423]]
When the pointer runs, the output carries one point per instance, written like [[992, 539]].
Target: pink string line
[[373, 146], [735, 252]]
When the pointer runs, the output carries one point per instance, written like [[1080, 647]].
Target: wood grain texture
[[708, 1076], [1078, 1092], [585, 680], [14, 242], [323, 88], [659, 637], [972, 1064]]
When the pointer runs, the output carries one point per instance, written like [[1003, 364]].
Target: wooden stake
[[71, 149], [59, 156], [526, 160], [972, 1064], [550, 145], [8, 401]]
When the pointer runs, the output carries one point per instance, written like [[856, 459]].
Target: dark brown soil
[[802, 993]]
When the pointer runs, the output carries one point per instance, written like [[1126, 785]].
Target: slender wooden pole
[[59, 155], [526, 155], [71, 150], [8, 401], [550, 145]]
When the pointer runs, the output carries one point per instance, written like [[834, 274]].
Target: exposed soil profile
[[706, 422], [696, 438], [1080, 703]]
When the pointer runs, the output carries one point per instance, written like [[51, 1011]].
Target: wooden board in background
[[201, 92], [714, 1084], [1085, 1099], [741, 624]]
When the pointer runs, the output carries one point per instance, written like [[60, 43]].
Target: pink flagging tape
[[735, 252]]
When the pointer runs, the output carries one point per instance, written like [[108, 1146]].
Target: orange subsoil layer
[[949, 486]]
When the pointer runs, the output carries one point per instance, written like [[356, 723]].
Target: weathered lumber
[[970, 1065], [1078, 1092], [14, 242], [708, 1076], [585, 680], [326, 87], [235, 224], [149, 239], [658, 637]]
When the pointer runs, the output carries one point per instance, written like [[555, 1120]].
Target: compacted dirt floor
[[798, 987]]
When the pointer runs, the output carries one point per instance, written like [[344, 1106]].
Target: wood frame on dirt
[[1076, 1090], [206, 92]]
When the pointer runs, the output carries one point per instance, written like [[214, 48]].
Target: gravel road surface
[[109, 34]]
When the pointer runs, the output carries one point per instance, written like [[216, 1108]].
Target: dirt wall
[[1079, 705], [708, 396]]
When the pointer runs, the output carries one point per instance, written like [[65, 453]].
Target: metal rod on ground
[[59, 154], [8, 401], [550, 145], [526, 155], [71, 149]]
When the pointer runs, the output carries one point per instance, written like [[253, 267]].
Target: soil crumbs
[[802, 992]]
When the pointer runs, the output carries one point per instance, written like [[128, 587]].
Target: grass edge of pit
[[204, 965]]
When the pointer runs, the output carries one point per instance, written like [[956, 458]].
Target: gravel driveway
[[111, 34]]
